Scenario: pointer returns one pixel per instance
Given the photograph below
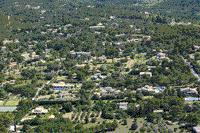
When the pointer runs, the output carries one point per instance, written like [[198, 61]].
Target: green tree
[[93, 120], [139, 96], [153, 116], [86, 119], [26, 127], [3, 94], [88, 85], [197, 56], [134, 126], [114, 124], [79, 126], [198, 90], [80, 75], [67, 106], [176, 111], [193, 118], [125, 122], [142, 129]]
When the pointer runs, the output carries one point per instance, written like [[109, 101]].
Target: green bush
[[92, 115], [93, 120]]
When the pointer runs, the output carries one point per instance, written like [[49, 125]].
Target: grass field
[[16, 76], [12, 102], [41, 81], [141, 60], [23, 83]]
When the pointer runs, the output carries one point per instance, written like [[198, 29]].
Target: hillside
[[186, 9]]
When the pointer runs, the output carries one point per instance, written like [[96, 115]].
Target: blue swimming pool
[[191, 98]]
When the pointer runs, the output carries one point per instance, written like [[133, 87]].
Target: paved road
[[191, 68], [39, 90]]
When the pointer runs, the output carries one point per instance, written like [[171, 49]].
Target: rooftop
[[40, 110], [197, 129]]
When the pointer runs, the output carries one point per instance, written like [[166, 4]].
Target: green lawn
[[16, 76], [23, 83], [12, 102], [89, 125], [41, 81], [132, 62]]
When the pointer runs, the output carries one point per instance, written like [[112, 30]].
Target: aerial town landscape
[[99, 67]]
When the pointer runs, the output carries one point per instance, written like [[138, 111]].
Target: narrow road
[[41, 89], [191, 68]]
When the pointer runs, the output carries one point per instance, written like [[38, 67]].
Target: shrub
[[134, 126], [92, 115], [142, 129], [93, 120]]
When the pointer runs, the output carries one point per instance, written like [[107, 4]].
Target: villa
[[149, 74], [189, 91], [161, 56], [61, 85], [39, 110], [122, 105], [151, 89]]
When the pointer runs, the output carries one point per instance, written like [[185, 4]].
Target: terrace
[[61, 85], [151, 89], [149, 74], [39, 110]]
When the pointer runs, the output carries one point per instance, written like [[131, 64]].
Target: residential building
[[112, 17], [151, 67], [30, 46], [51, 117], [74, 75], [196, 129], [149, 74], [61, 85], [189, 91], [122, 105], [3, 48], [151, 89], [35, 56], [197, 47], [82, 65], [7, 41], [12, 82], [80, 53], [96, 27], [39, 110], [13, 65], [158, 111], [108, 91], [147, 37], [161, 56]]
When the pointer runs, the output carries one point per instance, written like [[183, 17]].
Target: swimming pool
[[191, 98]]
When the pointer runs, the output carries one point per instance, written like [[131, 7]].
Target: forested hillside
[[188, 9]]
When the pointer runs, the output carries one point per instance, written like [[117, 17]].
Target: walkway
[[41, 88], [191, 68]]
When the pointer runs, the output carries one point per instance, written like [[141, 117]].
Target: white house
[[39, 110], [145, 73], [151, 89], [161, 56], [96, 27], [196, 129], [61, 85], [123, 105]]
